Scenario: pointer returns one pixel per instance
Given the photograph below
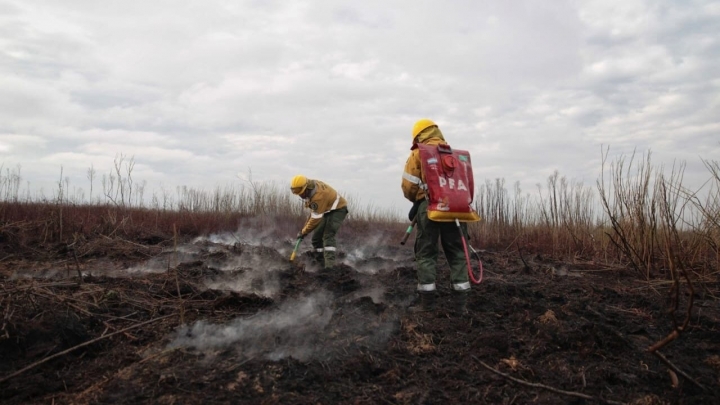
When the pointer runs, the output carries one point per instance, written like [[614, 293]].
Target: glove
[[414, 209], [300, 235]]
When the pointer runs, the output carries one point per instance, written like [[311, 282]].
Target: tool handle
[[294, 252], [409, 231]]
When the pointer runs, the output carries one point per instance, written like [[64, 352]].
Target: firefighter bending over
[[328, 210]]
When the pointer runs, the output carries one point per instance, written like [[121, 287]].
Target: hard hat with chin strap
[[298, 184], [421, 125]]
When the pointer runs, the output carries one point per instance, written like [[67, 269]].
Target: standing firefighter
[[438, 181], [328, 212]]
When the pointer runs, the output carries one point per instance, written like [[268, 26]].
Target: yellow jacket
[[321, 200], [413, 179]]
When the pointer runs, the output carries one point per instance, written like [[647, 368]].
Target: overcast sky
[[200, 91]]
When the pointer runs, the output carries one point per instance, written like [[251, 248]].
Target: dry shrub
[[649, 400], [713, 361], [418, 343], [548, 317]]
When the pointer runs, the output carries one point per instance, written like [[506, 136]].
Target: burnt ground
[[214, 321]]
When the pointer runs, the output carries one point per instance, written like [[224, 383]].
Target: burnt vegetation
[[605, 293]]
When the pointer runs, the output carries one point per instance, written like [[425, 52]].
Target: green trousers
[[426, 251], [323, 239]]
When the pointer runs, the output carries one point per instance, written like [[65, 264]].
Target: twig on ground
[[181, 305], [511, 243], [177, 283], [667, 339], [677, 370], [126, 241], [63, 300], [89, 342], [527, 267], [546, 387], [655, 351], [77, 266], [43, 287]]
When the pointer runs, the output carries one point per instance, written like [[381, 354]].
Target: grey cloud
[[213, 89]]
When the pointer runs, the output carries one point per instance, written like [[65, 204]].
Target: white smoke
[[168, 258], [291, 330], [375, 255], [376, 294], [264, 284], [225, 238], [253, 232]]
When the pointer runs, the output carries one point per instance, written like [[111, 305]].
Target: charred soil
[[214, 323]]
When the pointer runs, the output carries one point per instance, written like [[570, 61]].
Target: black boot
[[327, 269], [319, 257], [459, 303], [425, 302]]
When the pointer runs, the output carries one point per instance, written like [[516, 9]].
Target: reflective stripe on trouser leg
[[333, 220], [426, 247], [426, 287], [461, 286], [319, 255]]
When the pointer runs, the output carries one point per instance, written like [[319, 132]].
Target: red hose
[[480, 266], [467, 257]]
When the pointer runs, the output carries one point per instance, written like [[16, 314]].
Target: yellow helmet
[[422, 125], [298, 184]]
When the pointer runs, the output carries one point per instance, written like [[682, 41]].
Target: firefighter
[[428, 232], [328, 210]]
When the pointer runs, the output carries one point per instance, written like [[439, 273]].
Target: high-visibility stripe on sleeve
[[335, 204], [412, 179], [315, 215], [329, 248]]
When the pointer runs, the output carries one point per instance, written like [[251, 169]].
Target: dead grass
[[644, 217]]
